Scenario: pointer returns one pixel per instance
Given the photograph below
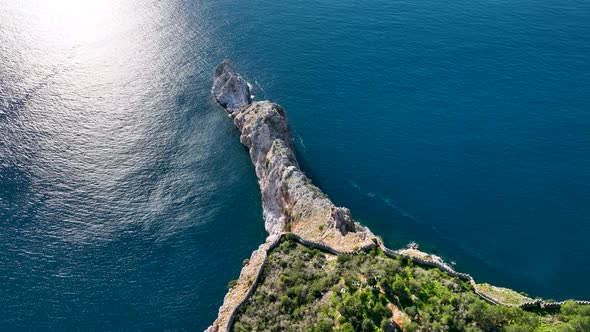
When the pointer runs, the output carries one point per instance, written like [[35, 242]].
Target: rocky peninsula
[[290, 201], [293, 206]]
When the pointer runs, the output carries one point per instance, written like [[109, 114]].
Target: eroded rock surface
[[230, 89]]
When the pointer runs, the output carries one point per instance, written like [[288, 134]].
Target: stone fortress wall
[[257, 280]]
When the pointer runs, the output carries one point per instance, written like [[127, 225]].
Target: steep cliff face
[[290, 201]]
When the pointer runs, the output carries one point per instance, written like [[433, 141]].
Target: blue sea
[[127, 202]]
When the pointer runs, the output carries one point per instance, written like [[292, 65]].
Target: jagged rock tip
[[229, 89]]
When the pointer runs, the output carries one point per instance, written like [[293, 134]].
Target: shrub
[[323, 326], [232, 284], [346, 327], [343, 258]]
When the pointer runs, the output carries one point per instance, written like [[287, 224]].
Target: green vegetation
[[505, 295], [304, 289], [232, 283]]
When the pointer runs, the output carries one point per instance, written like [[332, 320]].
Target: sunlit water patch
[[119, 182]]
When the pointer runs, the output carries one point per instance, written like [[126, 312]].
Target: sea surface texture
[[127, 202]]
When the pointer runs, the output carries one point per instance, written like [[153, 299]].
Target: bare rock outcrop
[[341, 220], [230, 89]]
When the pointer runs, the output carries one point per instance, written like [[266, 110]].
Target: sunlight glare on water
[[118, 180], [74, 21]]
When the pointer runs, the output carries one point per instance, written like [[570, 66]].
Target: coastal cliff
[[297, 211]]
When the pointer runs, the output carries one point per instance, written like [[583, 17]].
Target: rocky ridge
[[290, 201]]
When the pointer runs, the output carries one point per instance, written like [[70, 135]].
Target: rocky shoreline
[[291, 203]]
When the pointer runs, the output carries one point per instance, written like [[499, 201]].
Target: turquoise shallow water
[[127, 203]]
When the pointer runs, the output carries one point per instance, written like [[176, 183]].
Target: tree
[[346, 327], [323, 326], [367, 325]]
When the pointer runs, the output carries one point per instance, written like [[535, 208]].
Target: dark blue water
[[127, 203], [462, 125]]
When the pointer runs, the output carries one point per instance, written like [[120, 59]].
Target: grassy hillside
[[304, 289]]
